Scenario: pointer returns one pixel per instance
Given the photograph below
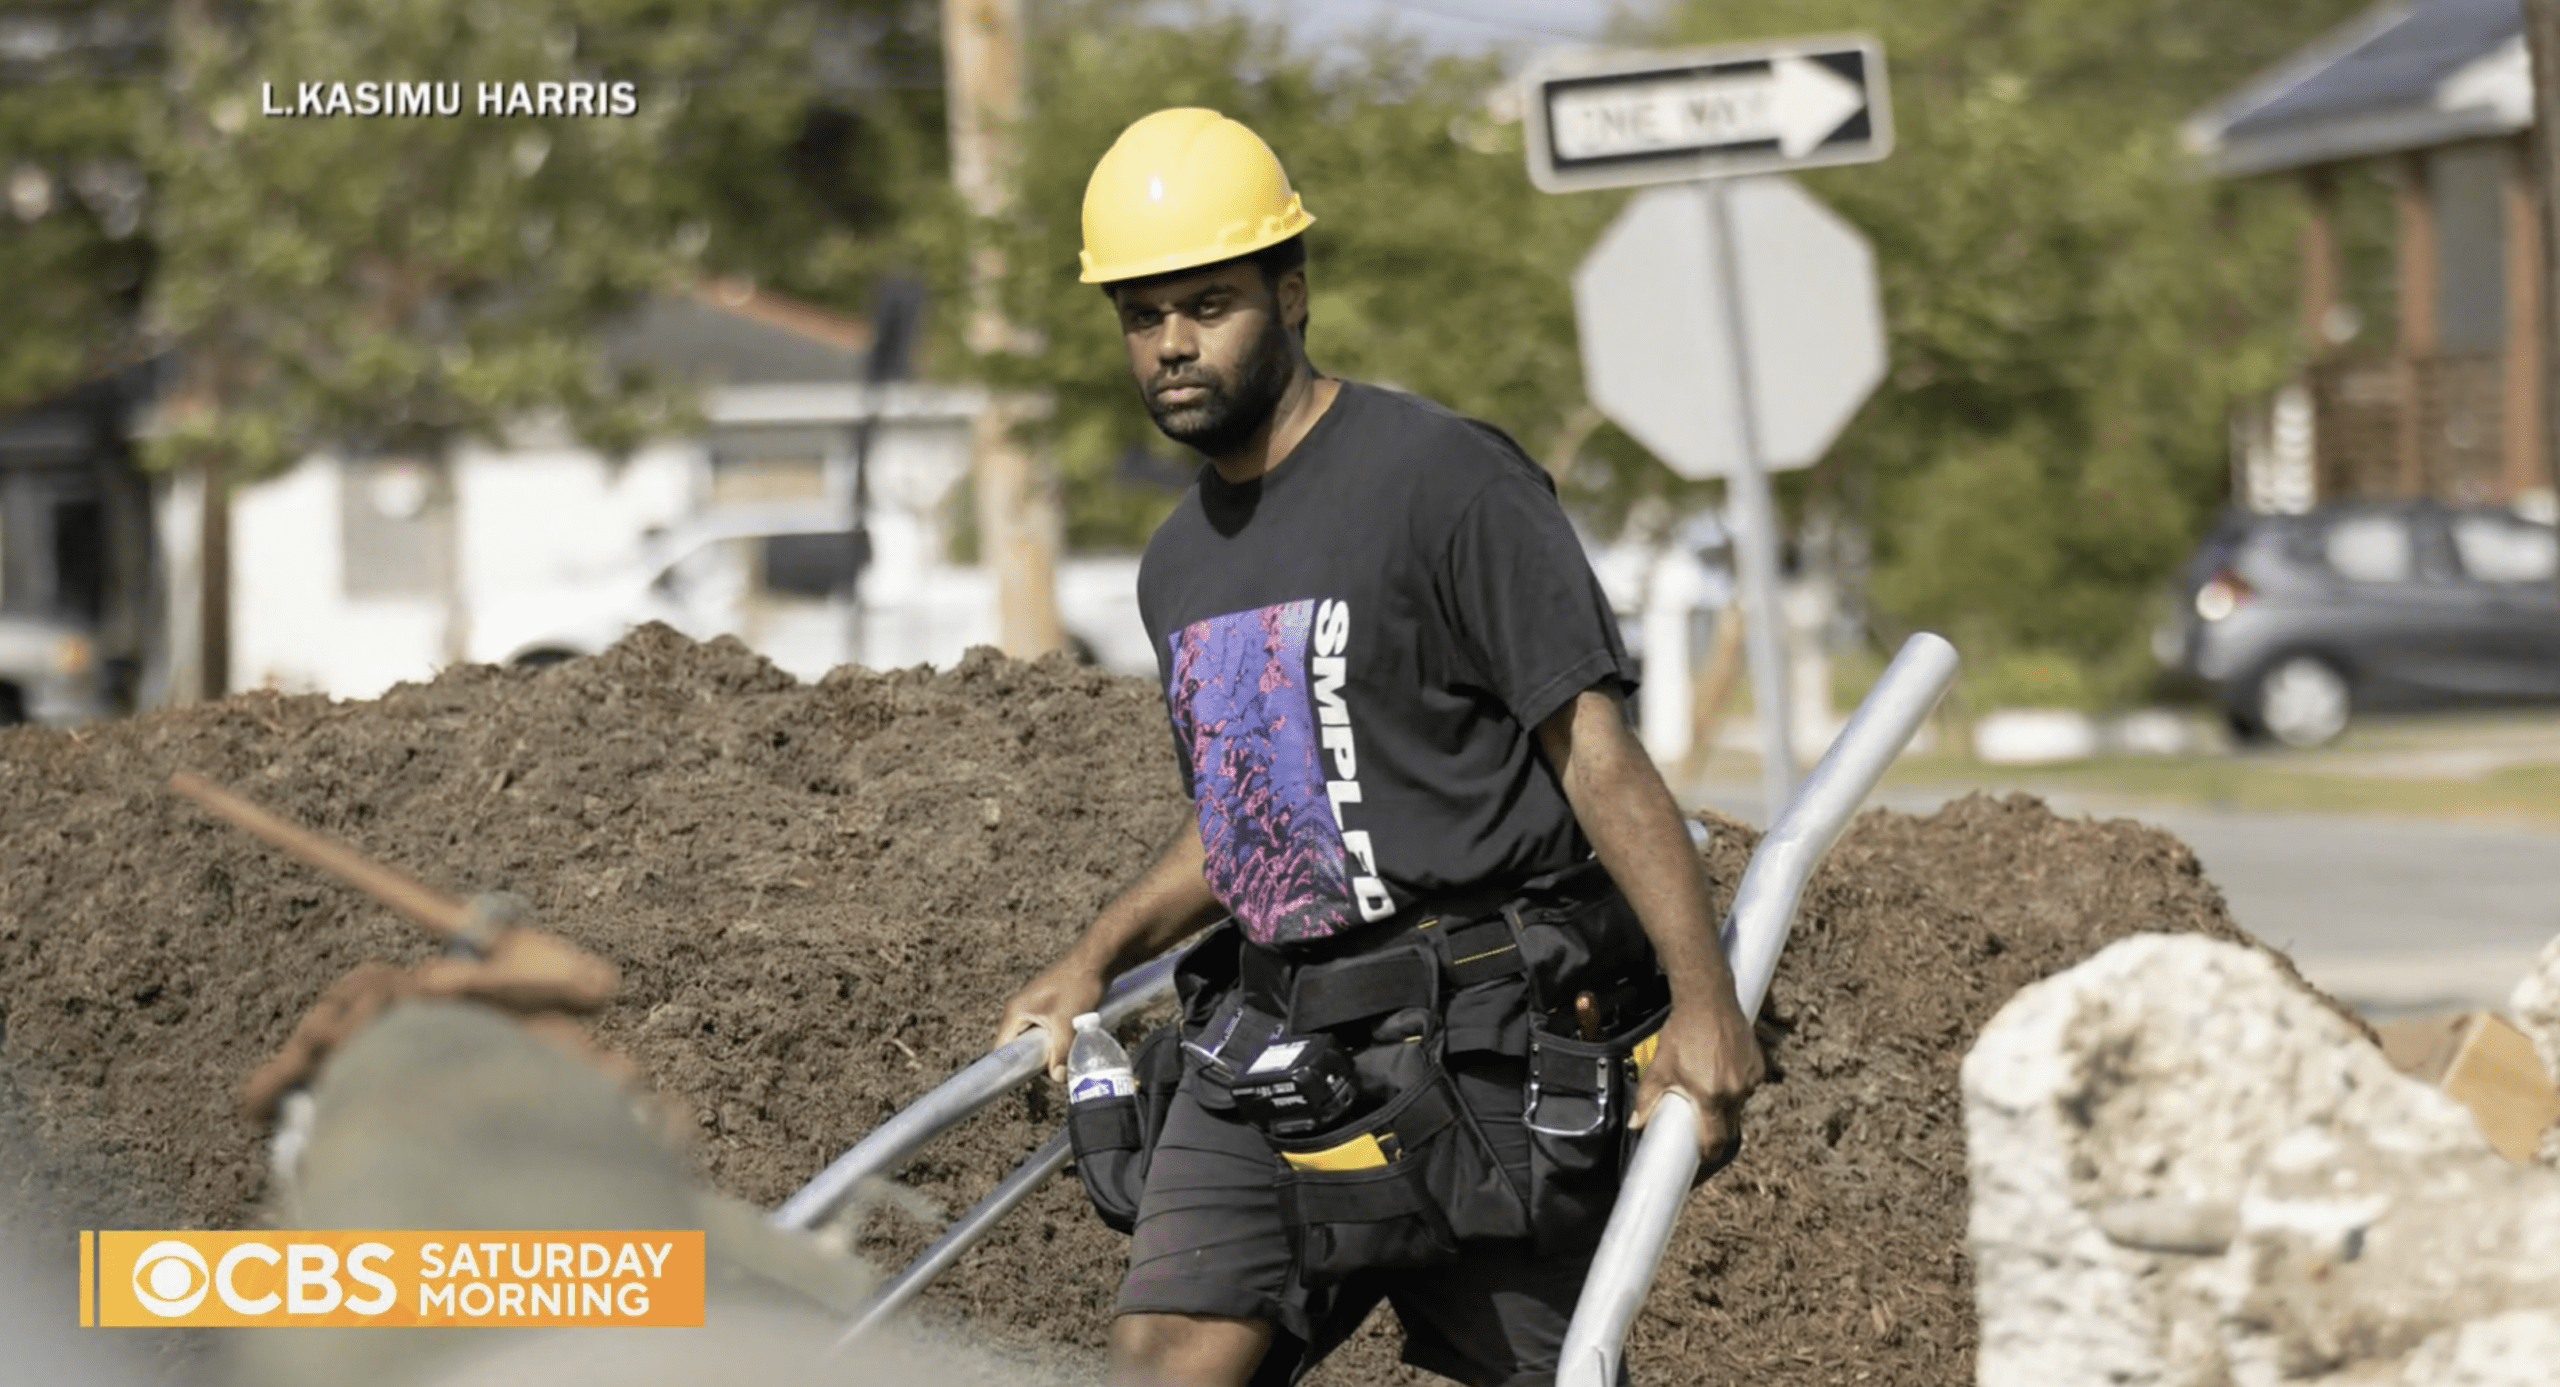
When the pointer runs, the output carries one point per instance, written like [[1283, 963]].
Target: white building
[[350, 574]]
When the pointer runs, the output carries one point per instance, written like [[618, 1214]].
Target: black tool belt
[[1476, 1107]]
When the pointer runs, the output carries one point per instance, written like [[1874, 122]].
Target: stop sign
[[1659, 341]]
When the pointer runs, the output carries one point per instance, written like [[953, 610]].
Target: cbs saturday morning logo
[[390, 1279]]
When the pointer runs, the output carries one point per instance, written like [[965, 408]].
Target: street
[[2394, 916]]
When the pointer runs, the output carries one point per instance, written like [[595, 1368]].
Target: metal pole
[[1755, 525], [964, 1232], [989, 1078], [1666, 1160], [1019, 522], [856, 590], [2542, 30], [1764, 906]]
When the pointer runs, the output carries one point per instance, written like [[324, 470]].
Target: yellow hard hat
[[1180, 189]]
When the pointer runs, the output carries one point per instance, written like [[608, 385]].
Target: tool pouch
[[1410, 1176], [1576, 933], [1576, 1106], [1579, 937], [1114, 1137]]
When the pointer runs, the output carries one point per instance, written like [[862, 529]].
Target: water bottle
[[1097, 1067]]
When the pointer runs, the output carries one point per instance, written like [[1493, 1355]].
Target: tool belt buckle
[[1213, 1055], [1599, 1104]]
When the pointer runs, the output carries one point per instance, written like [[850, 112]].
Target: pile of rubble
[[2186, 1172]]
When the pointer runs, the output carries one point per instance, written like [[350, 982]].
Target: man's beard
[[1228, 412]]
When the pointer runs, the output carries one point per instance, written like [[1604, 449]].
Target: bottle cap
[[1088, 1021]]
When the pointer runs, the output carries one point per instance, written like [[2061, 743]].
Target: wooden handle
[[432, 910]]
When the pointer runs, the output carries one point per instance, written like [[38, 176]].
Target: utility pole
[[194, 37], [2542, 37], [1019, 518]]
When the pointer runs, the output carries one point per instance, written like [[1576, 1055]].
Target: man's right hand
[[1051, 1002]]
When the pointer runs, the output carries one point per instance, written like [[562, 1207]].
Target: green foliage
[[2014, 678], [389, 283], [1434, 266], [72, 254], [811, 138], [2072, 311]]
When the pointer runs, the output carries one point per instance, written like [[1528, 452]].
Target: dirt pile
[[820, 894]]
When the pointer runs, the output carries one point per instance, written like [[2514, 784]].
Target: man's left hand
[[1709, 1055]]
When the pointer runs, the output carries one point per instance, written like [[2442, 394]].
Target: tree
[[2072, 310], [382, 283], [1435, 266], [800, 133], [74, 83]]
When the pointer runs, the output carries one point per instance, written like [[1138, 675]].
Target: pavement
[[2393, 916]]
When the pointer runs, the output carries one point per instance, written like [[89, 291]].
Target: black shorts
[[1209, 1241]]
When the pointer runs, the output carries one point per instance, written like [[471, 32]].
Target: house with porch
[[2426, 105]]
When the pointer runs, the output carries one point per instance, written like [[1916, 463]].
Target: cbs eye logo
[[170, 1279]]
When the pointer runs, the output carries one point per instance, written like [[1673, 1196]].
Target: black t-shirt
[[1357, 649]]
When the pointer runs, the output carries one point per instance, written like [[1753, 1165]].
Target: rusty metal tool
[[474, 924]]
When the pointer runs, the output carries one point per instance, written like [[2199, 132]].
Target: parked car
[[2295, 623], [782, 577], [49, 672]]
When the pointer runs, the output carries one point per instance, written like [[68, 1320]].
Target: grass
[[2265, 783], [2503, 767]]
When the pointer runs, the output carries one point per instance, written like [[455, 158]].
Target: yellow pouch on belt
[[1360, 1153]]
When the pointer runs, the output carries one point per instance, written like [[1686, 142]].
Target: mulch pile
[[820, 895]]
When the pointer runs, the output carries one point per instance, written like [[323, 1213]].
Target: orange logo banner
[[390, 1278]]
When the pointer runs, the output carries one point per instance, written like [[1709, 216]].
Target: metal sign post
[[1731, 325], [1755, 533]]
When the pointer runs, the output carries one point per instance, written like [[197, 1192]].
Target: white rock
[[2520, 1349], [2536, 1006], [2163, 1070], [2357, 1248]]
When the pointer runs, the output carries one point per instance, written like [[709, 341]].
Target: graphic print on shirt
[[1271, 819]]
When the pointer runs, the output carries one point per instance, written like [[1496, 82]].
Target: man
[[1396, 690]]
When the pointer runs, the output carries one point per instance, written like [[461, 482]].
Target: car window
[[2496, 549], [814, 565], [2292, 546], [2368, 548]]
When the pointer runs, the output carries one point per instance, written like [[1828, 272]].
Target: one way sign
[[1707, 113]]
